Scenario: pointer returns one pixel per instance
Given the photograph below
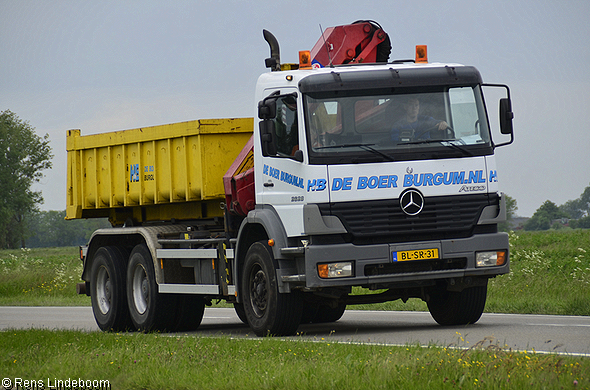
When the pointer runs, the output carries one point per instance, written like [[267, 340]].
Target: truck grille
[[383, 221]]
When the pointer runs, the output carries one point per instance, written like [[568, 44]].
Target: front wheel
[[457, 308], [328, 313], [189, 312], [241, 312], [268, 311], [317, 313]]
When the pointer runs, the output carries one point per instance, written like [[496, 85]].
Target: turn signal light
[[421, 54], [490, 259], [305, 59], [501, 258], [335, 270]]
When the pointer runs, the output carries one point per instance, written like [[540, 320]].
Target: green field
[[41, 277], [153, 361], [550, 275]]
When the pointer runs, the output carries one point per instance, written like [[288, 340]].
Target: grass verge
[[41, 277], [153, 361], [550, 274]]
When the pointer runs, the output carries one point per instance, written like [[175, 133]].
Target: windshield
[[396, 125]]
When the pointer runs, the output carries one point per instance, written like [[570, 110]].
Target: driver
[[414, 125]]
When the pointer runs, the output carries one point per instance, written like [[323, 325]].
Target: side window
[[286, 126], [464, 111]]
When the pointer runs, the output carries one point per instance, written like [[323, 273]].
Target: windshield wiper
[[458, 147], [423, 141], [444, 142], [367, 147]]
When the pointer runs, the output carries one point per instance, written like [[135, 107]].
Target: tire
[[269, 313], [241, 312], [108, 291], [310, 310], [316, 313], [189, 312], [149, 310], [457, 308], [327, 313]]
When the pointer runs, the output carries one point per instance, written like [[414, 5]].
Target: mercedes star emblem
[[411, 202]]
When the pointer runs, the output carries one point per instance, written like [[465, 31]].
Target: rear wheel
[[150, 310], [268, 311], [457, 308], [107, 289]]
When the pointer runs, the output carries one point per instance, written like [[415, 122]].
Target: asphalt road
[[540, 333]]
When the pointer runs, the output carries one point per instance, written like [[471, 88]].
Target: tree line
[[50, 229], [573, 213], [24, 156]]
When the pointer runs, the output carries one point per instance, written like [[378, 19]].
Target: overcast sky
[[111, 65]]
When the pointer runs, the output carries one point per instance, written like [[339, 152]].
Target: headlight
[[490, 259], [335, 270]]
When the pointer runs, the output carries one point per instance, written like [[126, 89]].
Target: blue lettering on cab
[[384, 181], [444, 178], [494, 176], [316, 184], [343, 184]]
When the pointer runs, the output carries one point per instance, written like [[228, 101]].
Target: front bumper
[[373, 264]]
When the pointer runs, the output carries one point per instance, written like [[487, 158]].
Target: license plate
[[420, 254]]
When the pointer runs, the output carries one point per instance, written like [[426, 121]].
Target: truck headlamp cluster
[[490, 259], [335, 270]]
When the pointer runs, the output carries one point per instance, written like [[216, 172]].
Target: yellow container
[[153, 173]]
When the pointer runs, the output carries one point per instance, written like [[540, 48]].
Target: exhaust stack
[[274, 62]]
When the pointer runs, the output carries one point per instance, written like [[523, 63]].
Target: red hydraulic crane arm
[[360, 42]]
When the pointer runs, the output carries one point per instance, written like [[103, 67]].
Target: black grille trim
[[415, 266], [383, 221]]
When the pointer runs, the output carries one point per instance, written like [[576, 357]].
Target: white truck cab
[[382, 176]]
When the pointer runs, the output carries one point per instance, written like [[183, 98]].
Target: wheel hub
[[141, 289], [103, 290], [259, 293], [144, 288]]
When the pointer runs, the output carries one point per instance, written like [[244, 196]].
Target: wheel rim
[[140, 289], [103, 290], [258, 291]]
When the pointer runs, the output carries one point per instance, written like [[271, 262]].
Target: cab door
[[287, 182]]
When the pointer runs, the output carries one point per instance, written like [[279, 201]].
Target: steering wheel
[[449, 133]]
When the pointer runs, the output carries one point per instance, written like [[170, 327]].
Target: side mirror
[[267, 109], [298, 156], [268, 137], [505, 113], [506, 116]]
